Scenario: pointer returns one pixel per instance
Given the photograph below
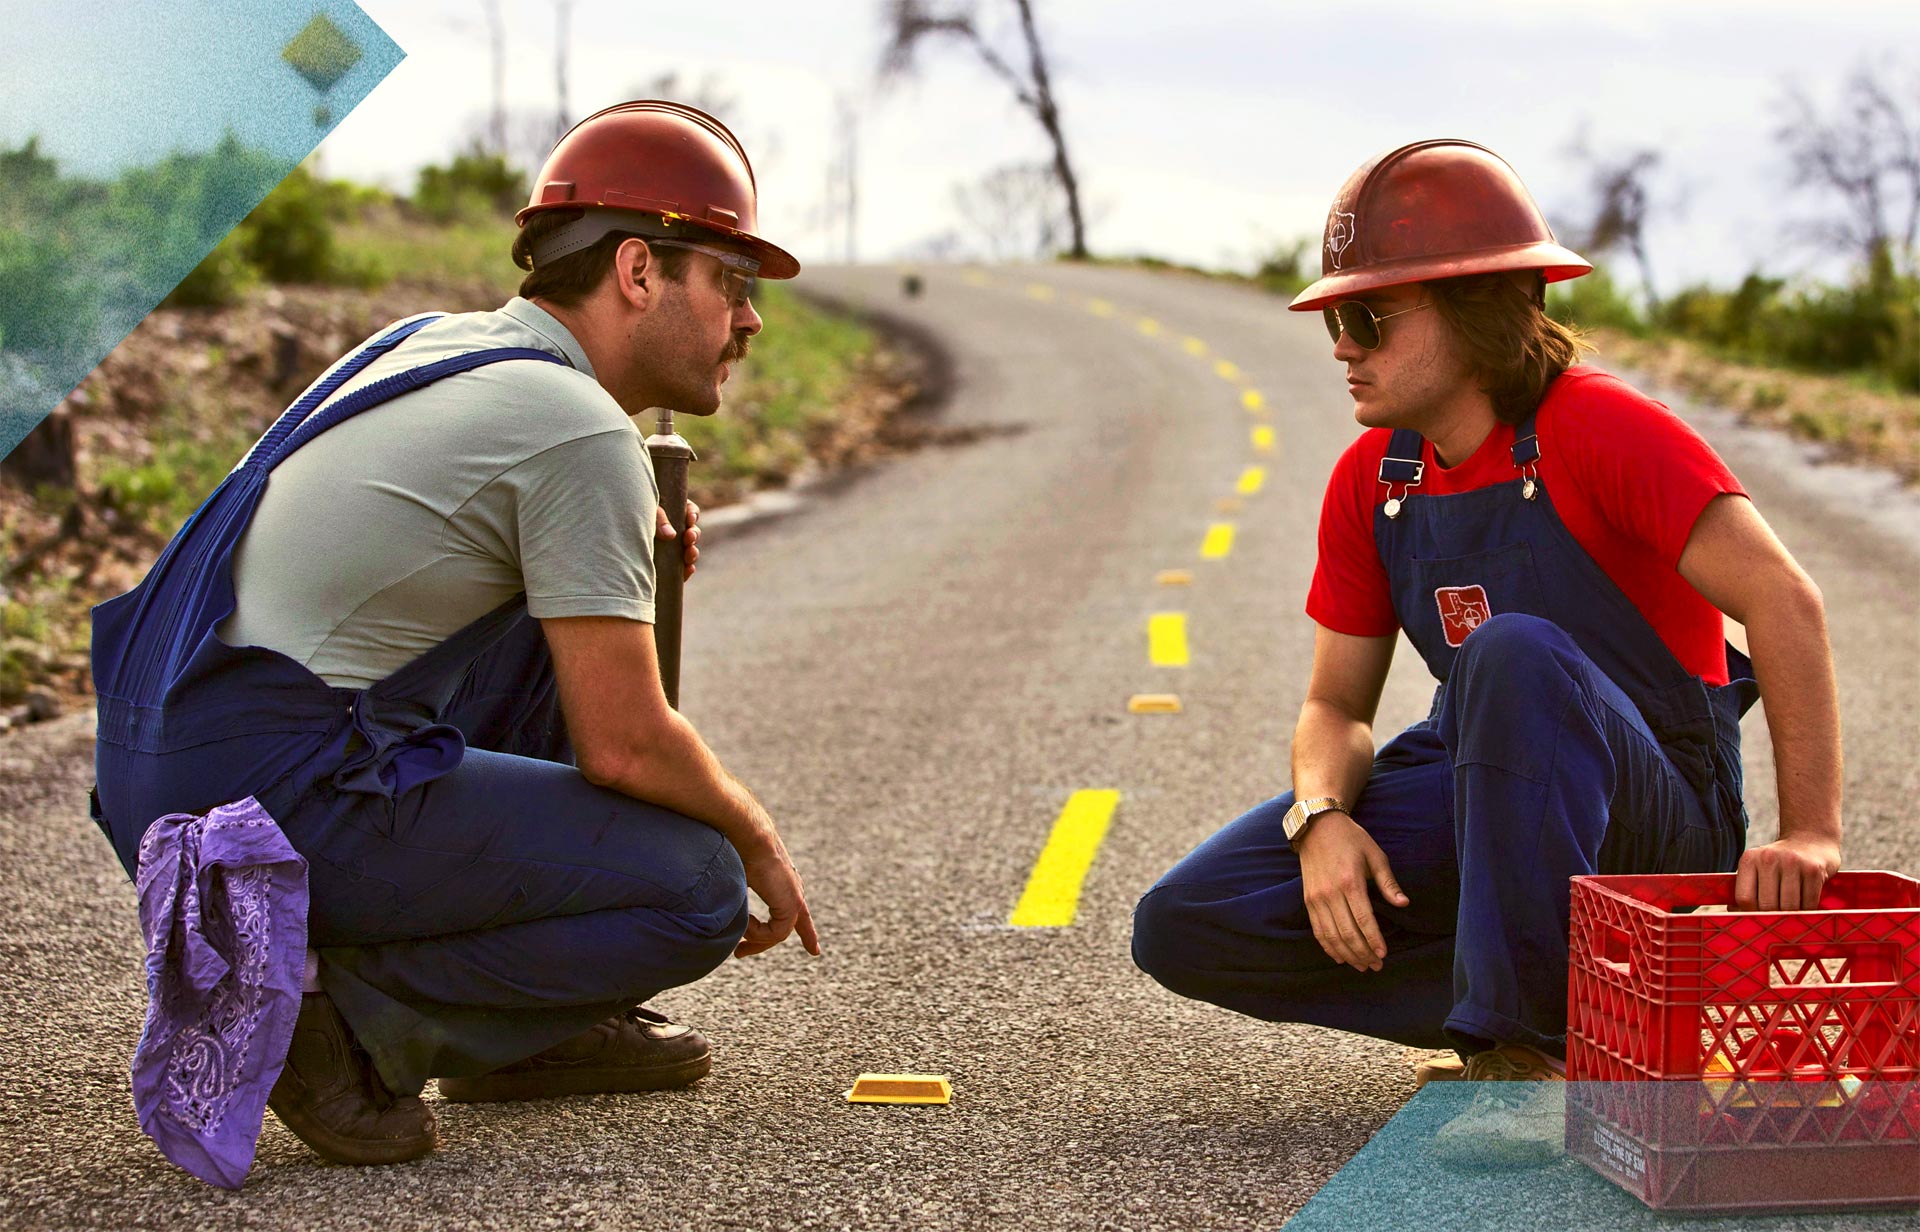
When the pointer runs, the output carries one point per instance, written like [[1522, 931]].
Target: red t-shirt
[[1627, 476]]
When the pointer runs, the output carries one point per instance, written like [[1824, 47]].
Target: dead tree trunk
[[1049, 115]]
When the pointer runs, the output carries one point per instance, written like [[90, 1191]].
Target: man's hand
[[771, 875], [663, 529], [1338, 860], [1786, 875]]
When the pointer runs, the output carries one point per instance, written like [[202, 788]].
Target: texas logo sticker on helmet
[[1339, 236], [1462, 610]]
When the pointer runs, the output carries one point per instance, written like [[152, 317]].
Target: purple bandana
[[223, 906]]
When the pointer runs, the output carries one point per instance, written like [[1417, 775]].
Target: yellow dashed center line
[[1052, 895], [974, 278], [1218, 543], [1251, 480], [1167, 639], [1263, 438], [1252, 399], [1193, 346], [1039, 290], [1099, 307], [1147, 326], [1227, 370]]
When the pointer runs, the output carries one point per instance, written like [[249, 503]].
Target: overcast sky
[[1202, 131]]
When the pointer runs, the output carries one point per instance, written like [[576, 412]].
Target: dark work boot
[[640, 1050], [331, 1097]]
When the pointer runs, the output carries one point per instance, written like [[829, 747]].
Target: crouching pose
[[392, 694], [1559, 549]]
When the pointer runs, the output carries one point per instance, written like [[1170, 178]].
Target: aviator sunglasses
[[1360, 323], [739, 275]]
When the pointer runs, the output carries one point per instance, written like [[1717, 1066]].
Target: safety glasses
[[1359, 323], [738, 273]]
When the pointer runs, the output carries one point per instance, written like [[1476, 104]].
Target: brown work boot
[[1518, 1118], [640, 1050], [331, 1097], [1437, 1067]]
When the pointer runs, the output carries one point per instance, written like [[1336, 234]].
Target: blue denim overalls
[[1564, 739], [473, 897]]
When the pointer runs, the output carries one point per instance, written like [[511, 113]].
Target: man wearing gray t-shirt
[[438, 674]]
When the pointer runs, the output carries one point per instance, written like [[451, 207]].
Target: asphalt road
[[914, 670]]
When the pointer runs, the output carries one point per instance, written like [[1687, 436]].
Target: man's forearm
[[1332, 753], [678, 771], [1793, 664]]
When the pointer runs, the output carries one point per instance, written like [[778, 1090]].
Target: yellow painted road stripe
[[1053, 890], [1218, 543], [1147, 326], [1039, 290], [1167, 639], [1263, 438], [1251, 480], [974, 278], [1099, 307], [1227, 370], [1252, 400], [1193, 346]]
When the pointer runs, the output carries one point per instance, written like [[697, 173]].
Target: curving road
[[916, 671]]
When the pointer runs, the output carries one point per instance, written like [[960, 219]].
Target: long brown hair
[[1506, 338]]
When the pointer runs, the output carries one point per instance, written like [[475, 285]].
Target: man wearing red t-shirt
[[1560, 550]]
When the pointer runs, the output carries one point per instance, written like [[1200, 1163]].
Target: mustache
[[737, 349]]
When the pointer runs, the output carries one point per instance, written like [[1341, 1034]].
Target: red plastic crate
[[1787, 1043]]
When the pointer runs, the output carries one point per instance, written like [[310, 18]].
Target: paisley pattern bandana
[[223, 907]]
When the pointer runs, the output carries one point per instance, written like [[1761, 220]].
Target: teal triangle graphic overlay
[[1407, 1178], [129, 148]]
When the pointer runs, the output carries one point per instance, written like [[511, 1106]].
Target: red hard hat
[[1433, 209], [676, 168]]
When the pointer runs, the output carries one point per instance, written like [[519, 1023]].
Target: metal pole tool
[[671, 456]]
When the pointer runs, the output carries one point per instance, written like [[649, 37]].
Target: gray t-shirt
[[388, 533]]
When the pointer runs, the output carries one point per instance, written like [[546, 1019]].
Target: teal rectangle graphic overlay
[[133, 138]]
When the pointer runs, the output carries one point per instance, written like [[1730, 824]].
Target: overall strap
[[1403, 465], [388, 388], [1526, 456], [328, 385]]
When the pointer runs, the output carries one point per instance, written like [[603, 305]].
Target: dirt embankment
[[165, 415]]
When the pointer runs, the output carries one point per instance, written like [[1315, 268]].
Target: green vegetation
[[1868, 328], [475, 186]]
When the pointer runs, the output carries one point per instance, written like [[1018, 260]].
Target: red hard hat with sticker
[[675, 169], [1433, 209]]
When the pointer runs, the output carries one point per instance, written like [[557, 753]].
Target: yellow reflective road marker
[[1147, 326], [1167, 639], [1228, 504], [1263, 438], [1251, 480], [1252, 399], [1227, 370], [1173, 577], [901, 1089], [1099, 307], [1039, 290], [1153, 703], [1053, 891], [974, 278], [1218, 543], [1193, 346]]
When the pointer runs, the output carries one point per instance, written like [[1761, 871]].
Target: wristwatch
[[1301, 815]]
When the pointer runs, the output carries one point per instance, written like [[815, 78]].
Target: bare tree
[[1620, 203], [497, 48], [1866, 152], [1016, 210], [562, 45], [909, 22]]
